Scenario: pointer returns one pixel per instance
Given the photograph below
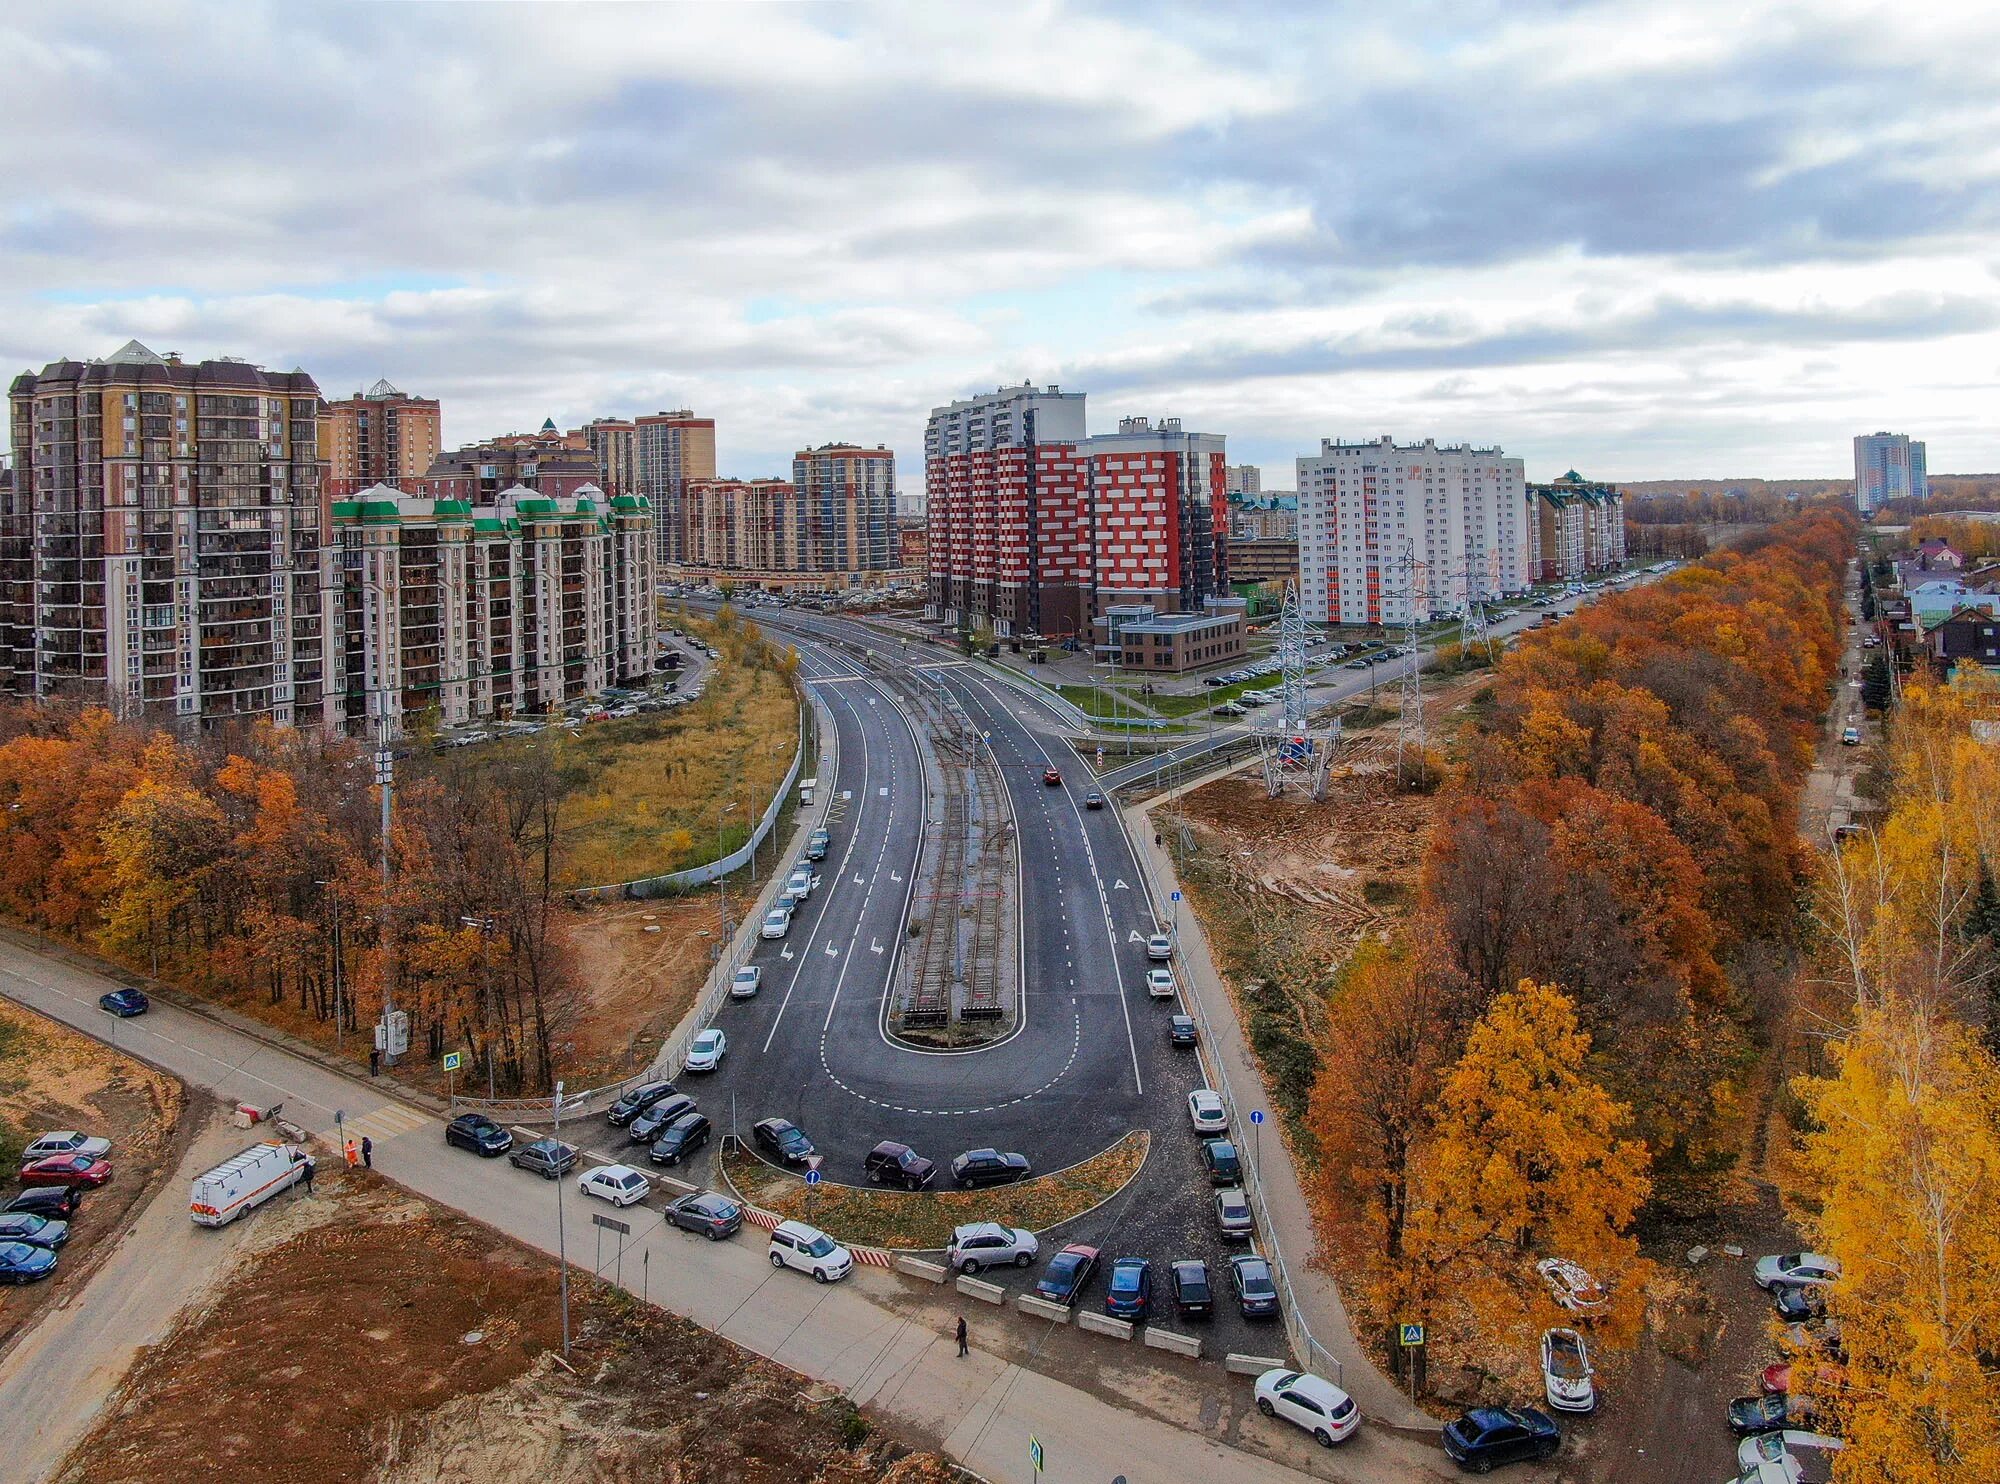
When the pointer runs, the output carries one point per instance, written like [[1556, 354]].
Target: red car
[[1051, 777], [67, 1169]]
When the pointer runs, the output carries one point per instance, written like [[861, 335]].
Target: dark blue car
[[1129, 1294], [36, 1231], [21, 1263], [124, 1002], [1487, 1436]]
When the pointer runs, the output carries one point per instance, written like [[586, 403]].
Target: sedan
[[36, 1231], [1052, 777], [1256, 1291], [1231, 708], [48, 1146], [989, 1167], [1067, 1275], [67, 1169], [783, 1140], [1160, 947], [777, 922], [57, 1202], [679, 1139], [1799, 1305], [637, 1101], [1181, 1031], [746, 982], [1795, 1270], [546, 1157], [1570, 1286], [1754, 1414], [619, 1184], [480, 1134], [1232, 1215], [1160, 983], [22, 1263], [1192, 1296], [650, 1124], [1777, 1447], [1206, 1113], [706, 1214], [706, 1051], [1093, 800], [124, 1002], [1486, 1436], [1567, 1376], [1317, 1405], [1129, 1294]]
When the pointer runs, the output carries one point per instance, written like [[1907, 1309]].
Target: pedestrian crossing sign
[[453, 1060], [1413, 1336], [1035, 1452]]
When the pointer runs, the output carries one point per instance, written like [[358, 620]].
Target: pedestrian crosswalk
[[385, 1122]]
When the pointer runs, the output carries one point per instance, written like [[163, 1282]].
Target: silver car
[[1232, 1213]]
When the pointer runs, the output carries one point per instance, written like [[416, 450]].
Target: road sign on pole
[[1035, 1454], [453, 1060], [1412, 1336], [812, 1177]]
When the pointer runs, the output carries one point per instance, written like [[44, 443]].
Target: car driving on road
[[1052, 777], [480, 1134], [898, 1164], [1093, 800], [1308, 1401], [124, 1002], [988, 1244], [545, 1157], [783, 1140], [706, 1214], [978, 1167]]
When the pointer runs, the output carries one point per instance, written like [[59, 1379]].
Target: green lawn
[[1101, 701]]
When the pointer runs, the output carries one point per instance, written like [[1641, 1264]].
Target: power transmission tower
[[1410, 712], [1472, 622], [1295, 754]]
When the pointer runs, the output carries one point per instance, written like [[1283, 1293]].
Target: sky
[[1644, 241]]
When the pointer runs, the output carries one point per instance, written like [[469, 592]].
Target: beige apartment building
[[381, 436], [671, 450]]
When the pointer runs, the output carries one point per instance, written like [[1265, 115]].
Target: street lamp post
[[486, 926], [562, 1241], [722, 885], [339, 1029]]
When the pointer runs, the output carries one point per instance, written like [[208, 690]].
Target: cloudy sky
[[1643, 240]]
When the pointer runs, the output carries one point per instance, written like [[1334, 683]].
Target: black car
[[545, 1157], [480, 1134], [1250, 1275], [637, 1101], [1486, 1436], [1223, 1163], [989, 1167], [36, 1231], [650, 1124], [1798, 1303], [783, 1140], [707, 1214], [679, 1139], [899, 1164], [1188, 1278], [1093, 800], [124, 1002], [1067, 1275], [1749, 1415], [1181, 1031], [57, 1202]]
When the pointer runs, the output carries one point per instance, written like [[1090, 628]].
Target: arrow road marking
[[1135, 938], [832, 952], [875, 945], [1119, 885], [894, 877], [786, 953]]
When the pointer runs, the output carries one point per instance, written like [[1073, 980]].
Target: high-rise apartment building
[[743, 525], [1158, 516], [1888, 466], [469, 611], [849, 495], [381, 436], [1244, 479], [550, 463], [162, 552], [672, 449], [1387, 527], [614, 443]]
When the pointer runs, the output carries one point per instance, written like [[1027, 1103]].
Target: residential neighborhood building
[[548, 462], [614, 444], [1970, 635], [161, 553], [1242, 479], [1888, 466], [848, 497], [1578, 527], [381, 436], [670, 451], [1157, 519], [1138, 637], [913, 545], [1264, 562], [1268, 518]]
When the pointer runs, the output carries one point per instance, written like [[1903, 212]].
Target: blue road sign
[[812, 1177], [1177, 896], [1413, 1336], [1035, 1454], [1257, 1115]]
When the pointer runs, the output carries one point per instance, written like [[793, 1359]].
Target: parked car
[[1052, 777], [1486, 1437], [548, 1158], [124, 1002], [745, 982], [36, 1231], [1222, 1161], [706, 1214], [810, 1250], [53, 1201], [798, 886], [637, 1101], [1755, 1414], [1232, 1214], [1308, 1401], [1231, 708], [1181, 1031], [67, 1141], [705, 1051], [1571, 1287], [1795, 1270], [1809, 1453], [1160, 947], [1193, 1298], [817, 845], [650, 1124], [67, 1169], [1205, 1111], [1567, 1377], [777, 922], [898, 1164], [1093, 800], [480, 1134], [988, 1244], [1256, 1292], [1798, 1305], [680, 1138], [1129, 1292], [1067, 1275], [977, 1167], [783, 1140], [21, 1262], [1160, 983], [619, 1184]]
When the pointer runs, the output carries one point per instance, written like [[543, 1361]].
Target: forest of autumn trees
[[1620, 869]]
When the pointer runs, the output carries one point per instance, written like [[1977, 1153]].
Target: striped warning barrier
[[872, 1257]]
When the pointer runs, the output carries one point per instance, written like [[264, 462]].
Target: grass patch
[[1102, 701], [920, 1221]]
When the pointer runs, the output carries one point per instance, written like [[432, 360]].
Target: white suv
[[988, 1244], [810, 1250]]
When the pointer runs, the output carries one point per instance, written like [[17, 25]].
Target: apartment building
[[1158, 516], [1579, 527], [743, 526], [548, 462], [464, 611], [849, 498], [161, 552], [1268, 520], [1263, 560], [1387, 530], [614, 443], [670, 451], [1888, 466], [381, 436], [1243, 479]]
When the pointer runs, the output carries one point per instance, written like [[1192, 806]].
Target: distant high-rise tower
[[381, 436], [671, 449], [1244, 479], [1888, 466]]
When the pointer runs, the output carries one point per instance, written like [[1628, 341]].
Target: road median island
[[921, 1221]]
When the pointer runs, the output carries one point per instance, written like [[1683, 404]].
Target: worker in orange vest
[[353, 1153]]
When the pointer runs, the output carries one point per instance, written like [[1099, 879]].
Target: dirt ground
[[53, 1078], [370, 1335], [640, 982]]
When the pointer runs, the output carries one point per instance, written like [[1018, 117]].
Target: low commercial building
[[1139, 637]]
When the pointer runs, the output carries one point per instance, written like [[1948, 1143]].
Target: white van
[[246, 1182]]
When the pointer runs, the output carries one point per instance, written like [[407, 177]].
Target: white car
[[798, 886], [1567, 1376], [777, 922], [746, 982], [988, 1244], [1790, 1446], [810, 1250], [1570, 1286], [1159, 948], [65, 1141], [1795, 1270], [1308, 1401], [1160, 983], [1206, 1112], [619, 1184], [706, 1051]]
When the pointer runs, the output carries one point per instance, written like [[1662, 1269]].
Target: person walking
[[374, 1063], [367, 1152], [309, 1167], [961, 1334]]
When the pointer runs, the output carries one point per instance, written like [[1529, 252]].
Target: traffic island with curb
[[1041, 1308], [991, 1293], [1251, 1365], [1166, 1339], [916, 1267], [1103, 1324]]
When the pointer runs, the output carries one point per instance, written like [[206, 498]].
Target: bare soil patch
[[642, 965]]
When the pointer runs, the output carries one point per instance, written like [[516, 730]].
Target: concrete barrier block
[[1041, 1308], [991, 1293], [1103, 1324], [1166, 1339], [1249, 1365], [916, 1267]]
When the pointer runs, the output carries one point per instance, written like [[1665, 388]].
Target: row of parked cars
[[1779, 1444], [57, 1170]]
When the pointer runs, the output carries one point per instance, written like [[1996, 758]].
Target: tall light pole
[[339, 1030], [722, 885], [385, 779], [562, 1240]]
